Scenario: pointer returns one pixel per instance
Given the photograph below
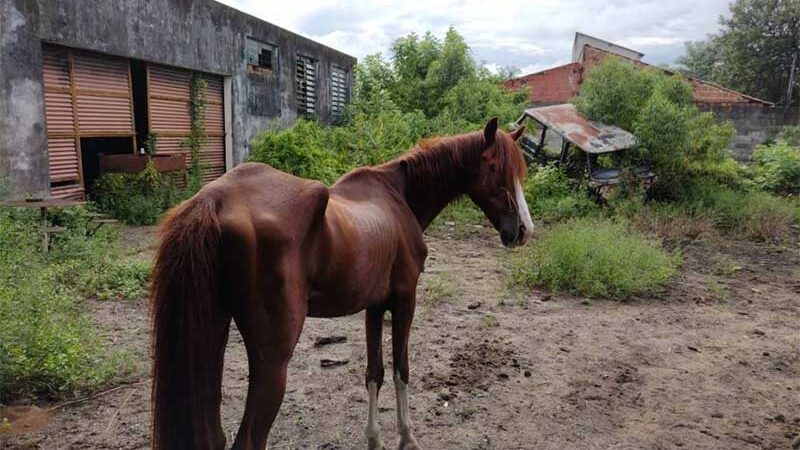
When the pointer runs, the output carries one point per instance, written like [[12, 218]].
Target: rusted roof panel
[[590, 136]]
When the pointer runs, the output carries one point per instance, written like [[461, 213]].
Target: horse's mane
[[440, 159]]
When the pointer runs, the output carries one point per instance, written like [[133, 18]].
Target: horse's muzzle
[[514, 238]]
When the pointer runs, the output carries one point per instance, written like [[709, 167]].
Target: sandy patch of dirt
[[713, 362]]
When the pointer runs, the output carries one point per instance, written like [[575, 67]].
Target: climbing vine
[[198, 136]]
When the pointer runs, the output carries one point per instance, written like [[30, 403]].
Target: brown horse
[[268, 249]]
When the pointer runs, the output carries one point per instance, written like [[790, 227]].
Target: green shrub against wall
[[137, 199], [776, 168]]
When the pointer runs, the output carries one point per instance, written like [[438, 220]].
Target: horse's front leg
[[374, 378], [402, 315]]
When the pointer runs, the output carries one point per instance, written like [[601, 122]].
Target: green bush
[[48, 345], [551, 197], [306, 149], [594, 258], [137, 199], [776, 168]]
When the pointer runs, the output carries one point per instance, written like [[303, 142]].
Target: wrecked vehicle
[[592, 140]]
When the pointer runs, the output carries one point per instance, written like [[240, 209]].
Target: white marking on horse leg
[[407, 441], [373, 429], [522, 206]]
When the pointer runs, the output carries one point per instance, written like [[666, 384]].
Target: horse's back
[[266, 204]]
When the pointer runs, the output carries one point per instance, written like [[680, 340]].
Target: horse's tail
[[190, 329]]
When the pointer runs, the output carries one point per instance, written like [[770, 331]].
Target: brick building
[[562, 83], [755, 120]]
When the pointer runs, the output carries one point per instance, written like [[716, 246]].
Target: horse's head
[[497, 190]]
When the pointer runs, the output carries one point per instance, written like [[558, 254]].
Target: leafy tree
[[615, 92], [681, 142], [754, 51], [373, 80], [438, 78], [701, 58], [412, 59]]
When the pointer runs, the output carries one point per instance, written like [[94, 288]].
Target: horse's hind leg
[[374, 378], [402, 315], [270, 328]]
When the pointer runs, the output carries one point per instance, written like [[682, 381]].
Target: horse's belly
[[344, 302]]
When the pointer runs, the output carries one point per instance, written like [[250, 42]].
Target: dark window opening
[[140, 98], [92, 148], [265, 59], [260, 57], [62, 183]]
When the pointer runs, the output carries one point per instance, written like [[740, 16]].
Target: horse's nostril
[[522, 229]]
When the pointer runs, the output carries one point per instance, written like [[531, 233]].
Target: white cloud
[[530, 34]]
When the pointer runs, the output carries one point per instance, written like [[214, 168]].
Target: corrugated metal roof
[[590, 136]]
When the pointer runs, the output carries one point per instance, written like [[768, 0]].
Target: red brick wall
[[556, 85], [709, 94]]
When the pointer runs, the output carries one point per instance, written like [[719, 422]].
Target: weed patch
[[48, 346], [753, 215], [594, 258], [438, 288]]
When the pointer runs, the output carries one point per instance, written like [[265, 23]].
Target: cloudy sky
[[530, 34]]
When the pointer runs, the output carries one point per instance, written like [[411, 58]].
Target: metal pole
[[790, 88], [45, 235]]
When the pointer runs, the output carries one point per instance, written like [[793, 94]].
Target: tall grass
[[754, 215], [594, 258]]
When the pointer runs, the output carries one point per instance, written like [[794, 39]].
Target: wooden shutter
[[170, 116]]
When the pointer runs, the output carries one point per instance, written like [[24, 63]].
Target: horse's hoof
[[375, 444], [408, 444]]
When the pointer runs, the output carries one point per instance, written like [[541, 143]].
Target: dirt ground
[[713, 362]]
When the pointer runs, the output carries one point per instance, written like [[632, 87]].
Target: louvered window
[[339, 91], [306, 82]]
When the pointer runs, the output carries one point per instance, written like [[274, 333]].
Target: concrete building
[[79, 78], [755, 120]]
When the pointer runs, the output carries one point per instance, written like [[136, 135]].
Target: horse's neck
[[429, 186]]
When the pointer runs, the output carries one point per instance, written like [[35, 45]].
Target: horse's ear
[[516, 134], [490, 131]]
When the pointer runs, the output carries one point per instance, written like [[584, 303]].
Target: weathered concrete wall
[[23, 155], [753, 125], [200, 35]]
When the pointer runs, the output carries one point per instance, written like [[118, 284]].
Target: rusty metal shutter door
[[103, 95], [169, 91], [85, 95], [62, 148], [212, 155]]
